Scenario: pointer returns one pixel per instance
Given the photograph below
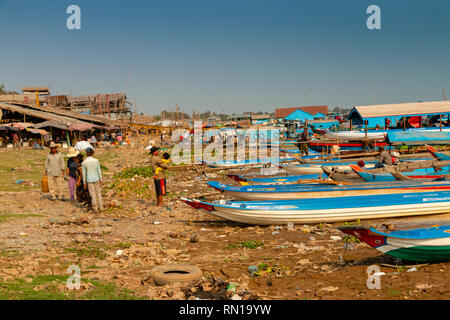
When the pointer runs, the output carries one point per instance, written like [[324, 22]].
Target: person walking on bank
[[82, 193], [158, 168], [72, 172], [92, 179], [54, 168], [16, 140]]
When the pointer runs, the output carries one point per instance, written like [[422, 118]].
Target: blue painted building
[[319, 115], [299, 115], [324, 124], [393, 114]]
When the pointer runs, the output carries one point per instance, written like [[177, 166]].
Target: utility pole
[[108, 106]]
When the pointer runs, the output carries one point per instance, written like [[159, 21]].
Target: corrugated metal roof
[[403, 109]]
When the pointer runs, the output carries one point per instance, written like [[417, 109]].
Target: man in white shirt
[[92, 179], [55, 168]]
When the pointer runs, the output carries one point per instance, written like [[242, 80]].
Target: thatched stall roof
[[59, 119], [81, 127], [40, 90], [52, 124], [102, 121], [39, 114]]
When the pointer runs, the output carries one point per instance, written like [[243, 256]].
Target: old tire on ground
[[171, 273]]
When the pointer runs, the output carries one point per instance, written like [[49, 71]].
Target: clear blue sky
[[242, 55]]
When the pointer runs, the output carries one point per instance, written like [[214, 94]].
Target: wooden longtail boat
[[332, 210], [273, 180], [243, 163], [392, 176], [308, 191], [419, 137], [438, 155], [352, 135], [419, 167], [299, 169], [317, 166], [345, 176], [348, 147], [355, 135], [420, 245]]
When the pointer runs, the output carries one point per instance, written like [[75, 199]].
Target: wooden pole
[[306, 129], [37, 99], [365, 127], [337, 139], [107, 106], [99, 105]]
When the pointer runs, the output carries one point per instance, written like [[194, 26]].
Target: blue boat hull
[[332, 210]]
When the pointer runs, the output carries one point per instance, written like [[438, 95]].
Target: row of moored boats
[[318, 190]]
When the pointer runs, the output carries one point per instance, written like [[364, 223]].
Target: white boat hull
[[263, 196], [264, 217], [317, 169]]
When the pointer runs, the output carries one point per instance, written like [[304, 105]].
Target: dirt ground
[[117, 249]]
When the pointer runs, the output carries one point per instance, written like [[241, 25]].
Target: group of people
[[84, 176], [12, 138]]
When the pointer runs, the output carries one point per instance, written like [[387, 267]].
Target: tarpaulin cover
[[37, 131], [11, 128], [21, 125], [53, 124], [419, 137], [82, 146], [81, 127]]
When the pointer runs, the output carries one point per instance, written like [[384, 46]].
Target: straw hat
[[53, 145], [73, 153]]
